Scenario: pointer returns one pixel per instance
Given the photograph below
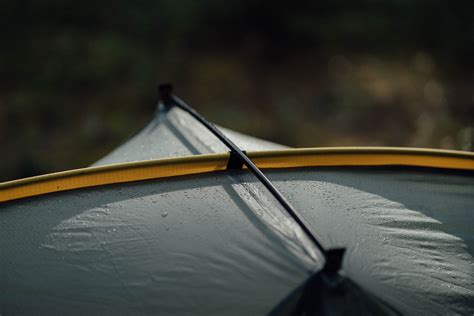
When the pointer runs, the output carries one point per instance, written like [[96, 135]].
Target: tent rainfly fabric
[[164, 225]]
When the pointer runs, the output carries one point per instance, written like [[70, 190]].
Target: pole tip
[[164, 92], [334, 259]]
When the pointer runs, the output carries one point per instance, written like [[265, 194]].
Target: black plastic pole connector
[[234, 162], [333, 257]]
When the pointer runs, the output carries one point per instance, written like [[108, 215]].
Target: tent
[[165, 225]]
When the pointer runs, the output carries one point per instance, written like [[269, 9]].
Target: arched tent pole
[[199, 164], [333, 257]]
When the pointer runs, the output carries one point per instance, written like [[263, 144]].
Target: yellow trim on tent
[[290, 158]]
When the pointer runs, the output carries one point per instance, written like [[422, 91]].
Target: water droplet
[[164, 214]]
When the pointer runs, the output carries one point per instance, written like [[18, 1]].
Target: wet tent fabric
[[175, 133], [218, 244]]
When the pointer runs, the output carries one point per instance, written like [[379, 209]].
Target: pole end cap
[[164, 92], [334, 259]]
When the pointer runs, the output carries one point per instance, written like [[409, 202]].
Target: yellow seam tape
[[291, 158]]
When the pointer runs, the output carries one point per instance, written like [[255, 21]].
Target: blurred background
[[78, 77]]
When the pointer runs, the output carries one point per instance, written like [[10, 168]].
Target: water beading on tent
[[187, 236]]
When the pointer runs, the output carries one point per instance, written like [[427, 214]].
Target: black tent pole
[[333, 257]]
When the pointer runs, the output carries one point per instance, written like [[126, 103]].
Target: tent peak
[[164, 93]]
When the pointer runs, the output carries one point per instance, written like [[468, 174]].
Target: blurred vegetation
[[77, 78]]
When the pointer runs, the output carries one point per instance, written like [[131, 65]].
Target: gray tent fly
[[171, 223]]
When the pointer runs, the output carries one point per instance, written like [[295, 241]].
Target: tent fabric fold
[[331, 294]]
